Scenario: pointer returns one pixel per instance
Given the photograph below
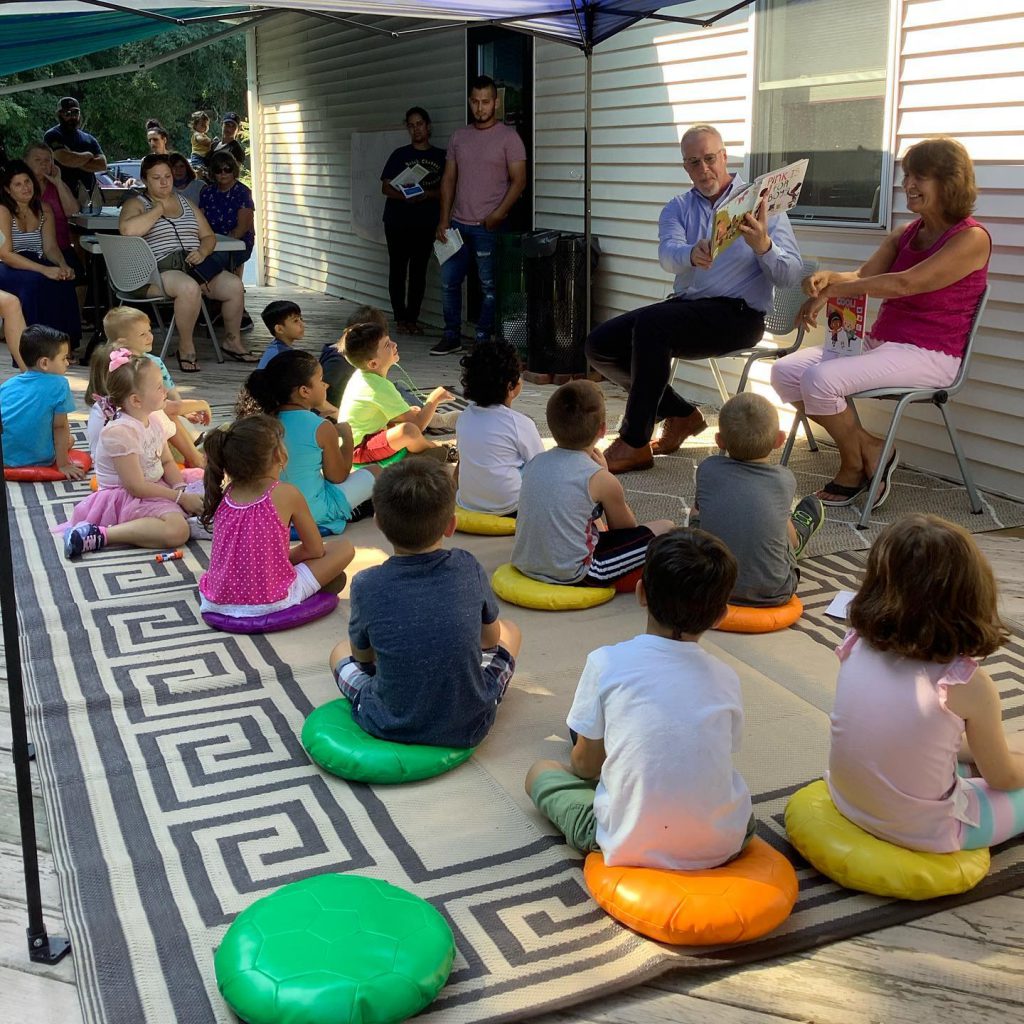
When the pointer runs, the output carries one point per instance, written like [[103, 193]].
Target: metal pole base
[[47, 949]]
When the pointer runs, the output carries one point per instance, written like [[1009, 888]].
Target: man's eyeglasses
[[708, 160], [222, 170]]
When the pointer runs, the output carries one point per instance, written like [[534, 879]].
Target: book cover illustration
[[779, 189], [844, 325]]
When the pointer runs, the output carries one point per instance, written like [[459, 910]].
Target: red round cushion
[[316, 607], [736, 902], [41, 474]]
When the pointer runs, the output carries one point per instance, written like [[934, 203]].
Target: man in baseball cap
[[78, 153], [227, 141]]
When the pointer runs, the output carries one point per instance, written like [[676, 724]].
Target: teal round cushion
[[334, 741], [334, 949]]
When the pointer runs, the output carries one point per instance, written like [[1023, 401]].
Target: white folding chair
[[778, 322], [906, 396], [131, 265]]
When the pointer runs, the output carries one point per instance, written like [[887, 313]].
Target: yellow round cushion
[[483, 523], [512, 586], [858, 860], [742, 619], [739, 901]]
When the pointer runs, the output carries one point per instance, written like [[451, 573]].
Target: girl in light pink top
[[253, 569], [909, 688]]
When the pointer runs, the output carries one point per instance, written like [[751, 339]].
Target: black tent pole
[[42, 948]]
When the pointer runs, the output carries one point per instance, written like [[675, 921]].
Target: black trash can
[[551, 314]]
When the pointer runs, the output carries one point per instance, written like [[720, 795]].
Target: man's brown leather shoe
[[624, 458], [675, 430]]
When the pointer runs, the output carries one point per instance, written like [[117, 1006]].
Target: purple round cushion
[[316, 607]]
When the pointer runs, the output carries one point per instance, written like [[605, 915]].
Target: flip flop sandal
[[890, 468], [849, 494]]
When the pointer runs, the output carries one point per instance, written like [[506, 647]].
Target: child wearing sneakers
[[651, 781], [382, 421], [564, 494], [495, 442], [430, 659], [35, 404], [746, 501]]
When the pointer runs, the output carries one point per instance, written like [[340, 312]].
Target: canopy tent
[[578, 23]]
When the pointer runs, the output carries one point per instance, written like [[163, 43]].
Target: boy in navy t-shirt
[[34, 406], [430, 659]]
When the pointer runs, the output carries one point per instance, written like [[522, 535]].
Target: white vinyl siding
[[317, 83]]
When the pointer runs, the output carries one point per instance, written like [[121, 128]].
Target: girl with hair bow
[[142, 497]]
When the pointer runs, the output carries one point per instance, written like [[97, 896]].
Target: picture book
[[844, 325], [779, 189]]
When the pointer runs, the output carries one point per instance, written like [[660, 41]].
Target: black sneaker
[[362, 511], [451, 455], [82, 538], [808, 518], [447, 347]]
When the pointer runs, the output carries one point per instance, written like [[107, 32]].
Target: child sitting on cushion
[[745, 500], [565, 492], [651, 781], [382, 421], [34, 406], [495, 442], [430, 659]]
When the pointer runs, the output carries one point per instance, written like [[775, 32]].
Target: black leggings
[[409, 250]]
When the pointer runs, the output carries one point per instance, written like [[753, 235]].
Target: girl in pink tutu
[[142, 498]]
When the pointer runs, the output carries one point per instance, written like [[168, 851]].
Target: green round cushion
[[334, 949], [847, 854], [389, 461], [334, 741], [512, 586]]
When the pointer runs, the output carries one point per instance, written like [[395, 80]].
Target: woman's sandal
[[241, 357], [190, 365], [848, 494], [887, 472]]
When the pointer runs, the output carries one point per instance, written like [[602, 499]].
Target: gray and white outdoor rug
[[178, 791]]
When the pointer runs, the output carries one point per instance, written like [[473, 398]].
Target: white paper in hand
[[444, 251]]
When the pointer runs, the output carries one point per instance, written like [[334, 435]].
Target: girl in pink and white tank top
[[910, 687], [253, 568]]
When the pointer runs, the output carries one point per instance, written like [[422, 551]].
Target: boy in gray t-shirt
[[746, 501]]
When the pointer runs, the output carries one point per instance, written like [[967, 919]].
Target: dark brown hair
[[244, 451], [274, 385], [575, 414], [7, 175], [151, 160], [41, 342], [688, 577], [928, 593], [360, 342], [414, 501], [945, 160]]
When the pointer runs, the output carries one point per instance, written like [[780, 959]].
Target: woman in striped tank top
[[32, 266], [181, 239]]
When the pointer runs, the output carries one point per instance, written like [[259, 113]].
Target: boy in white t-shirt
[[495, 442], [651, 783]]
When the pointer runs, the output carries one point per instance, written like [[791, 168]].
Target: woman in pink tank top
[[910, 688], [253, 569], [930, 275]]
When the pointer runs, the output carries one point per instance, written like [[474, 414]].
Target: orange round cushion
[[737, 902], [742, 619], [41, 474]]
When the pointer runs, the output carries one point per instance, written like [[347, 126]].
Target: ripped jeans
[[481, 243]]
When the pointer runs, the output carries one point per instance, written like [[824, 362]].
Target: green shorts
[[568, 801]]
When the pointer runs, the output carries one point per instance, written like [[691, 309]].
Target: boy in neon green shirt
[[382, 421]]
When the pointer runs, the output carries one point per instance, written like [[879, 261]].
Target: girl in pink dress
[[253, 569], [141, 498], [910, 688]]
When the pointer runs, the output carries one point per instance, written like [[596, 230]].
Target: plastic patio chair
[[778, 322], [906, 396], [131, 265]]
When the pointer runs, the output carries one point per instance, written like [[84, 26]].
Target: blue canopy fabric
[[36, 40]]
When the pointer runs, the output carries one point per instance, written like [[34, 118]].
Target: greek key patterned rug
[[178, 791]]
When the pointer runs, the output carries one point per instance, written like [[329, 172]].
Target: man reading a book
[[716, 306]]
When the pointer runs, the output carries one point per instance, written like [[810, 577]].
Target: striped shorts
[[1000, 815], [617, 553]]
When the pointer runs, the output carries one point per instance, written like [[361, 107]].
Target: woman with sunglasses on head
[[228, 206]]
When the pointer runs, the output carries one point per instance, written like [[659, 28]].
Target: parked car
[[122, 170]]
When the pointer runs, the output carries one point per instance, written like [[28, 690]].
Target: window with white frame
[[820, 92]]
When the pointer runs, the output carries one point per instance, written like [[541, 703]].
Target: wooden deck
[[959, 965]]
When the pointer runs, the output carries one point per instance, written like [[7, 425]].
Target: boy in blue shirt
[[430, 659], [34, 406]]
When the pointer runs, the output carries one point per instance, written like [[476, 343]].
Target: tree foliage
[[115, 109]]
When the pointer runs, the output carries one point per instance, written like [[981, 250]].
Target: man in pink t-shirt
[[484, 175]]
